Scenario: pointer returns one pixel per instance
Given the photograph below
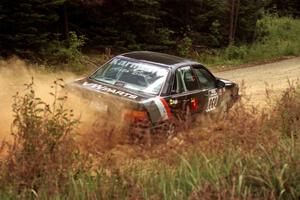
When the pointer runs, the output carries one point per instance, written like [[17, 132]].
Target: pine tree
[[214, 23], [26, 25], [127, 24], [248, 15], [204, 21], [141, 20]]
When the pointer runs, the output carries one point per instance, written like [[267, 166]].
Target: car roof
[[161, 59]]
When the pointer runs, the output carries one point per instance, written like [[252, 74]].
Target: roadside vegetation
[[276, 37], [250, 154], [58, 34]]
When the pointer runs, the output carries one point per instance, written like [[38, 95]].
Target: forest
[[54, 30]]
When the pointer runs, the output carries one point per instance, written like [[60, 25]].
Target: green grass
[[277, 37]]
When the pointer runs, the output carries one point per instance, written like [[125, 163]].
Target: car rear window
[[137, 76]]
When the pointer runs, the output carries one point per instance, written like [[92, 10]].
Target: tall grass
[[275, 37], [247, 155]]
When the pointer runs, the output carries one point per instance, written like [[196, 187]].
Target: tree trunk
[[187, 14], [231, 25], [236, 20], [65, 22]]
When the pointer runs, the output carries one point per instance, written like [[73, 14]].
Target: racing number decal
[[212, 101]]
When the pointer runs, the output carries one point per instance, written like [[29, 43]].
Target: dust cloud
[[95, 129], [14, 73]]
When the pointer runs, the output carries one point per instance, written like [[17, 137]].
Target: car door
[[208, 84], [186, 93]]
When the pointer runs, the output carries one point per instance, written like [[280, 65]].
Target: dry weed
[[43, 154]]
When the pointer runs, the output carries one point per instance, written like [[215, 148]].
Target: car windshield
[[133, 75]]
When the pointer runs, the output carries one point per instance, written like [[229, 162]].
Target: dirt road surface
[[275, 76]]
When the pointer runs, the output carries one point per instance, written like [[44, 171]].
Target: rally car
[[157, 89]]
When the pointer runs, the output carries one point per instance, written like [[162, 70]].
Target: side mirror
[[220, 84]]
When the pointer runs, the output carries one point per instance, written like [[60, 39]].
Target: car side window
[[206, 80], [185, 80], [178, 84]]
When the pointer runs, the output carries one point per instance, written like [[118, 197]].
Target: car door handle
[[206, 94], [209, 93]]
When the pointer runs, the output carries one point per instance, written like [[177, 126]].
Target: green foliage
[[216, 36], [140, 24], [65, 52], [184, 46], [249, 14], [120, 25], [275, 37], [27, 25], [30, 29], [159, 25], [124, 25], [285, 7]]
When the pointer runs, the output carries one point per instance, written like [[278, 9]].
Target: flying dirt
[[14, 73]]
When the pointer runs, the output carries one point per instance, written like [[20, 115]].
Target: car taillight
[[135, 116]]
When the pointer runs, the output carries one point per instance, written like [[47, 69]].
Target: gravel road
[[274, 76]]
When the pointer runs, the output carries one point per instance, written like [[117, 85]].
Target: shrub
[[184, 46], [287, 110], [43, 155], [65, 52]]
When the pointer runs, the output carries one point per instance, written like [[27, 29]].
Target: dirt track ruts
[[273, 75]]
